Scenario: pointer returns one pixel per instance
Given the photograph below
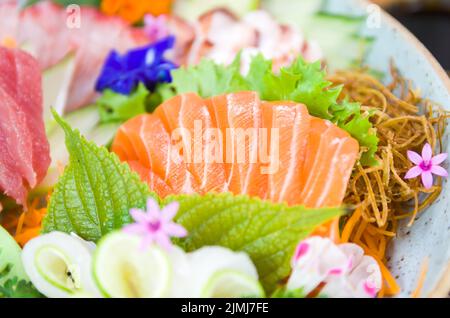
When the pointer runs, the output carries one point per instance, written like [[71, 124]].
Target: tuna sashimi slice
[[29, 95], [16, 162], [290, 122], [330, 156], [188, 120], [50, 33], [25, 149]]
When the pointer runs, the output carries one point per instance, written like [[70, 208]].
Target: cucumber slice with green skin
[[10, 256], [295, 12], [208, 261], [232, 284], [59, 265], [122, 269], [192, 9], [339, 39]]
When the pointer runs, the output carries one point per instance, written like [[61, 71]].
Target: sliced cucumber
[[295, 12], [182, 275], [59, 265], [122, 269], [10, 256], [55, 84], [208, 261], [232, 284], [192, 9], [338, 37]]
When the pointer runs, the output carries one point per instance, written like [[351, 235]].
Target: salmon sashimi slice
[[330, 156], [290, 122], [272, 150], [188, 120], [152, 179], [145, 140], [238, 116]]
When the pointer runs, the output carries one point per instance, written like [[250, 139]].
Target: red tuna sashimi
[[44, 30], [25, 149]]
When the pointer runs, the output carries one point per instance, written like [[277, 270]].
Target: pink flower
[[343, 270], [155, 225], [156, 27], [426, 165]]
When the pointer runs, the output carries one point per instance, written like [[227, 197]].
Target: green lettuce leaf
[[349, 117], [268, 232], [300, 82], [15, 287], [115, 107], [96, 191]]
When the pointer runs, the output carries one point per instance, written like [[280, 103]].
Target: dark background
[[430, 22]]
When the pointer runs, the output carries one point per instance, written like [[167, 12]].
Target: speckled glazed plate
[[430, 234], [429, 237]]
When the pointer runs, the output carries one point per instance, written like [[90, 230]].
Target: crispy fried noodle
[[379, 195]]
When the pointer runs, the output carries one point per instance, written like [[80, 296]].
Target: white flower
[[343, 269]]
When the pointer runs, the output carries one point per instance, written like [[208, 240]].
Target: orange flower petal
[[132, 11], [158, 7], [111, 7]]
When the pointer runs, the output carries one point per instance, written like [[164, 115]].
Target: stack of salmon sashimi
[[272, 150]]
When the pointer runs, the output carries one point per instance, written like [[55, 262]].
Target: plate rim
[[442, 287]]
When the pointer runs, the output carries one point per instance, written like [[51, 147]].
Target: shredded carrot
[[350, 225], [423, 273], [27, 224]]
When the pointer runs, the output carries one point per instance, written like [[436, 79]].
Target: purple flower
[[156, 225], [156, 27], [123, 73], [426, 165]]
